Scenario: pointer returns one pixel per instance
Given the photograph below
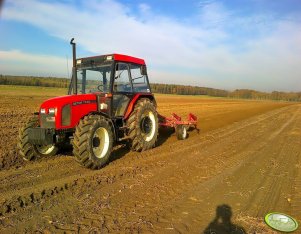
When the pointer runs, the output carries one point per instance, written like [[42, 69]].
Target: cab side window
[[139, 81], [122, 81]]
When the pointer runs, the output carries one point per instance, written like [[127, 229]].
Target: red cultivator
[[178, 124]]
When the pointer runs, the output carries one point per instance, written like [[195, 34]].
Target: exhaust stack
[[74, 73]]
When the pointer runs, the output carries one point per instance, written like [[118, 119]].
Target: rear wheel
[[93, 141], [29, 151], [181, 132], [143, 125]]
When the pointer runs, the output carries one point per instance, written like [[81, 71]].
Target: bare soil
[[244, 163]]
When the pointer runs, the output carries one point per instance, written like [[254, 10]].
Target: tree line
[[188, 90], [161, 88], [34, 81], [238, 93]]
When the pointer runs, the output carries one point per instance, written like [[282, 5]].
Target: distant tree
[[160, 88]]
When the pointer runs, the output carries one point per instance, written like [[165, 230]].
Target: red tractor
[[109, 101]]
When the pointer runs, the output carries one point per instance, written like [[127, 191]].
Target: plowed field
[[244, 163]]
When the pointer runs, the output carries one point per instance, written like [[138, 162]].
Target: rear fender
[[137, 97]]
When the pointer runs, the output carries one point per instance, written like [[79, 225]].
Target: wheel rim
[[184, 132], [148, 126], [100, 142], [45, 149]]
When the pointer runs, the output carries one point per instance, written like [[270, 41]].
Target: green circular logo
[[281, 222]]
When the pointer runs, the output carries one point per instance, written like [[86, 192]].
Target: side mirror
[[143, 70]]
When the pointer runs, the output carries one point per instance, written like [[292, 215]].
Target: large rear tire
[[93, 141], [143, 126], [29, 151]]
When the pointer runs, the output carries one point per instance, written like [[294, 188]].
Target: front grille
[[45, 120], [66, 115]]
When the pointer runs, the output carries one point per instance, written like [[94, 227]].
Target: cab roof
[[117, 57], [130, 59]]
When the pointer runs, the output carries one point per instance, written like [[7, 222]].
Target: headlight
[[109, 57], [43, 111], [51, 110]]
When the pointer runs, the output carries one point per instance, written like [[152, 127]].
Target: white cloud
[[204, 52], [213, 13], [144, 8], [15, 62]]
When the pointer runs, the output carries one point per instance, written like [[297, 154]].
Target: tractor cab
[[116, 77]]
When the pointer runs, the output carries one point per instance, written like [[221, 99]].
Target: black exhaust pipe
[[74, 72]]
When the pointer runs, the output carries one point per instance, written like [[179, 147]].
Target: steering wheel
[[98, 87]]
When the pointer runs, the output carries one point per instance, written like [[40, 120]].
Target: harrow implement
[[181, 126]]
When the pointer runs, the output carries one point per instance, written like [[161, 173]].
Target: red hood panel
[[80, 105], [63, 100]]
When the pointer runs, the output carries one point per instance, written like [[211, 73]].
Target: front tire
[[93, 141], [29, 151], [143, 126]]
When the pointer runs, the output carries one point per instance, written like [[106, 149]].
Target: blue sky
[[226, 44]]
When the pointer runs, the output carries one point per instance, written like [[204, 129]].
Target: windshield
[[94, 79]]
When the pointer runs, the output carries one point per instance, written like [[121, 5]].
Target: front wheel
[[93, 141], [29, 151]]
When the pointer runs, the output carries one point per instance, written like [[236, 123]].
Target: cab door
[[122, 89]]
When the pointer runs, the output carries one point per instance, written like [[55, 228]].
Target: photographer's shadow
[[222, 222]]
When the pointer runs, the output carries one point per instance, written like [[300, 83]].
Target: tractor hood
[[73, 100], [66, 111]]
